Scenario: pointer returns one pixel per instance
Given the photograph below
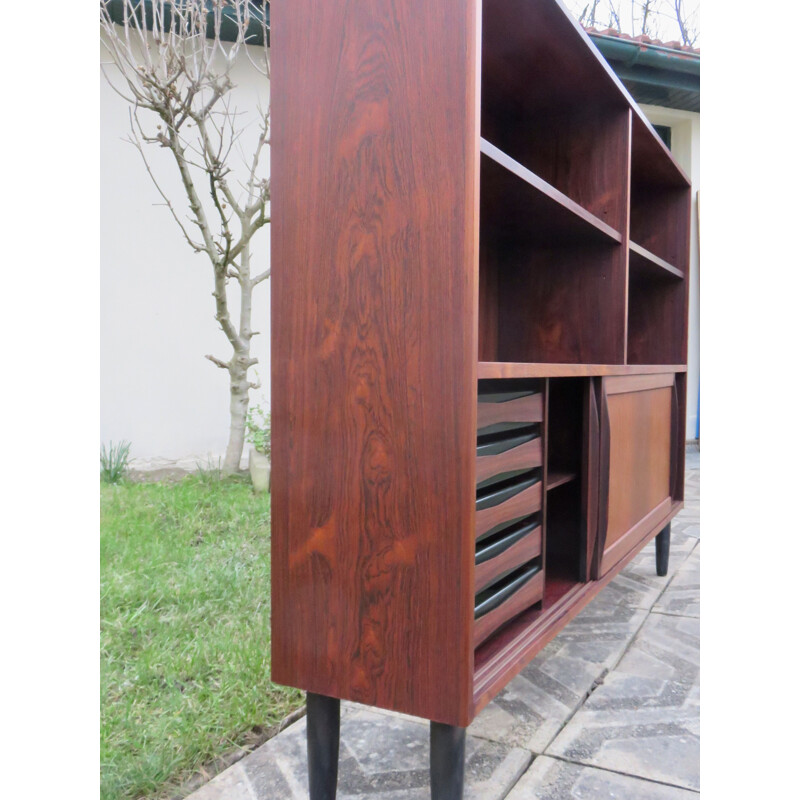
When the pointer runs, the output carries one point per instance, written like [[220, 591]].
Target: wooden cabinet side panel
[[374, 157]]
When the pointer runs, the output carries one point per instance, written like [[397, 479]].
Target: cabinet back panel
[[374, 159], [562, 305], [656, 320], [581, 150]]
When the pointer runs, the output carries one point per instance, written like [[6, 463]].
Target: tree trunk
[[240, 399]]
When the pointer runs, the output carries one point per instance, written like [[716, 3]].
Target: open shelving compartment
[[658, 294], [553, 197]]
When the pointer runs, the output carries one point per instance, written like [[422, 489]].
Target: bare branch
[[177, 76], [218, 361]]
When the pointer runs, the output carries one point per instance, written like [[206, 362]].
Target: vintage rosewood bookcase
[[479, 339]]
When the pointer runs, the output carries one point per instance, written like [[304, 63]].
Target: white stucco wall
[[686, 149], [157, 313]]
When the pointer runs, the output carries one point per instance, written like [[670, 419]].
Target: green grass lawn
[[184, 630]]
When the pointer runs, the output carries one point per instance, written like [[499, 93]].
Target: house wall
[[157, 313], [686, 149]]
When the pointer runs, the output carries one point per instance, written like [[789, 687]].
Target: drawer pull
[[494, 447], [499, 592], [503, 526], [504, 397], [523, 455], [505, 492], [495, 518], [499, 545], [529, 583], [521, 411]]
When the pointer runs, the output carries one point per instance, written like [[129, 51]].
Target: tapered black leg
[[662, 551], [447, 761], [322, 734]]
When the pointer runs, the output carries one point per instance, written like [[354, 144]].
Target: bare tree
[[588, 16], [686, 22], [615, 20], [172, 62], [648, 17]]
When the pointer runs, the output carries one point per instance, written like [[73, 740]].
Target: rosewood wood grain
[[656, 312], [632, 537], [639, 432], [527, 548], [504, 655], [530, 593], [659, 219], [578, 294], [374, 157], [526, 456], [523, 409], [507, 369], [526, 502], [637, 383]]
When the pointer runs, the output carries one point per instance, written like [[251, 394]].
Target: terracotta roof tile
[[642, 39]]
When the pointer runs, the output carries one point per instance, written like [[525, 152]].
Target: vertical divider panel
[[626, 229]]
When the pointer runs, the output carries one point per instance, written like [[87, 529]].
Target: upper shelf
[[651, 161], [523, 39], [648, 263], [513, 197]]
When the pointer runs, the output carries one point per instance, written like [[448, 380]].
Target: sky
[[664, 24]]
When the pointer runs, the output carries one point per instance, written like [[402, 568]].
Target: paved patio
[[609, 709]]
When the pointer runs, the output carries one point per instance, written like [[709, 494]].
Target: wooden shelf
[[652, 161], [515, 197], [510, 369], [648, 263], [558, 478]]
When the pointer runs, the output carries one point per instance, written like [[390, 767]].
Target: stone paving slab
[[682, 596], [550, 779], [534, 706], [381, 757], [644, 719]]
